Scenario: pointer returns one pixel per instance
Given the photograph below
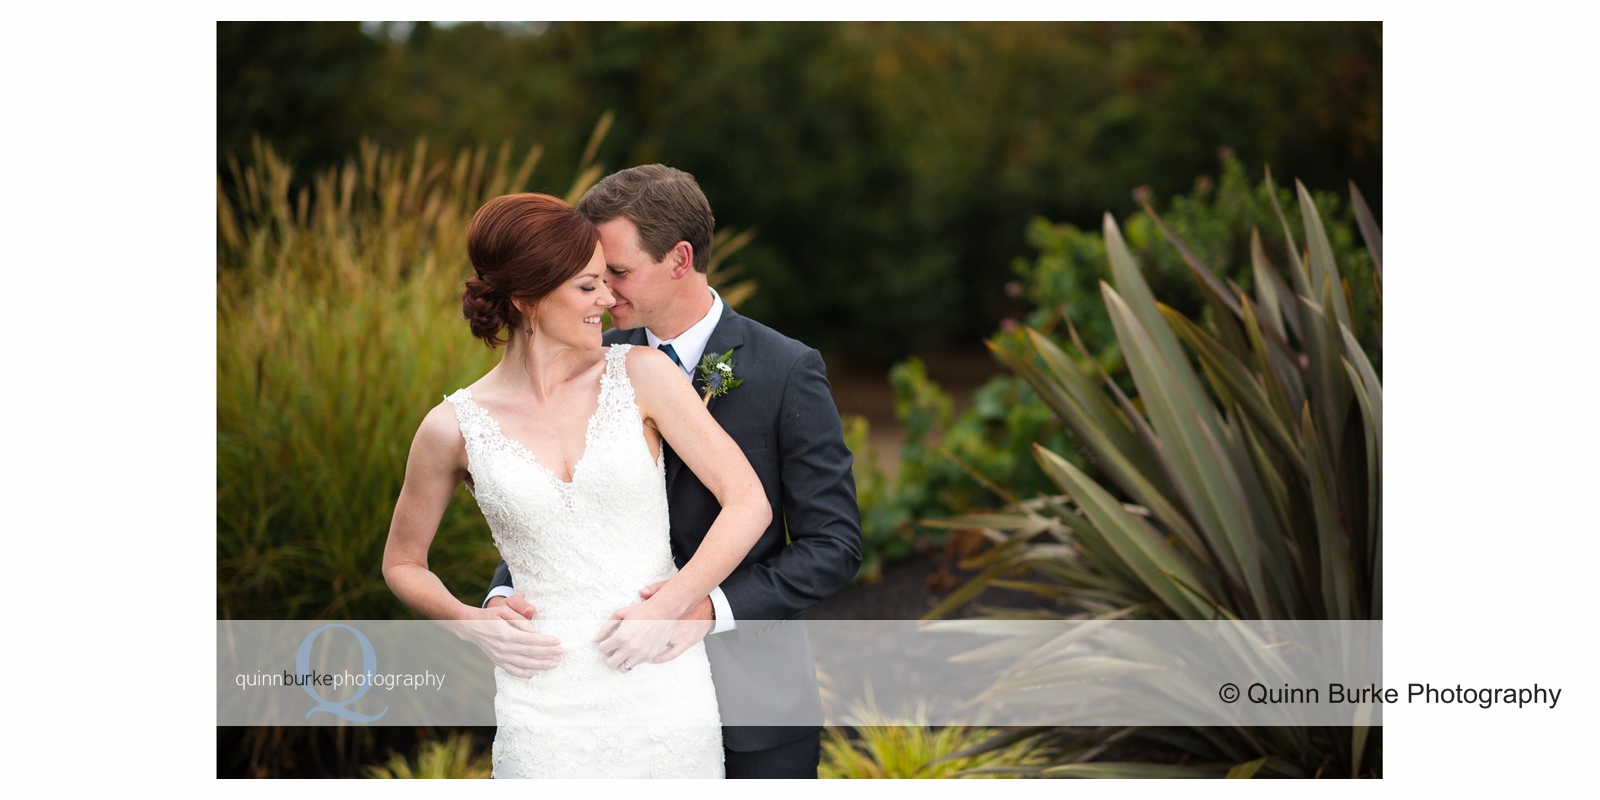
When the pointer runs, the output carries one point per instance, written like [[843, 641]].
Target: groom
[[655, 229]]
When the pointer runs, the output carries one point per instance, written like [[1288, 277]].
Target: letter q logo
[[369, 664]]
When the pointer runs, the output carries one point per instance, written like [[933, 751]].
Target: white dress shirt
[[691, 344], [690, 347]]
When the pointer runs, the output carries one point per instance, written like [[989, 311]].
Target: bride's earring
[[527, 317]]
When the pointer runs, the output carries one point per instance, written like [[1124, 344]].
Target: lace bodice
[[580, 549]]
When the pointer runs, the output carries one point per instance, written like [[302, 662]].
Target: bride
[[560, 444]]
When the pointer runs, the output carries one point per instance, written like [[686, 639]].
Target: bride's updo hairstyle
[[523, 247]]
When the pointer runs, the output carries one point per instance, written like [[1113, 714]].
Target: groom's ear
[[681, 257]]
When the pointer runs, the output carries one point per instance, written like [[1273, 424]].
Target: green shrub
[[338, 327], [901, 159], [459, 756], [1249, 488], [983, 457], [1215, 221], [876, 746]]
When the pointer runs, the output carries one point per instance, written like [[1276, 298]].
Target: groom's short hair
[[665, 204]]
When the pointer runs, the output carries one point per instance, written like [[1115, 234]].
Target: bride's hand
[[508, 637], [689, 629], [634, 635]]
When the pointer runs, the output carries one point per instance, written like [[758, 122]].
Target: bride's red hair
[[522, 247]]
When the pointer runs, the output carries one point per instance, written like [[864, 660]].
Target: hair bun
[[486, 310], [522, 246]]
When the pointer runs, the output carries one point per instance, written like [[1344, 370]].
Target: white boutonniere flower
[[716, 373]]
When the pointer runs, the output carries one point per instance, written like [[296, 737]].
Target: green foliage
[[717, 375], [1267, 486], [900, 160], [876, 746], [1215, 220], [459, 756], [947, 462], [306, 87], [887, 533], [983, 457], [338, 328], [1249, 488]]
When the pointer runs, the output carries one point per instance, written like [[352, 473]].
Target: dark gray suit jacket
[[784, 419]]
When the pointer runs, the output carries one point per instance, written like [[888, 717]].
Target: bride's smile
[[584, 299]]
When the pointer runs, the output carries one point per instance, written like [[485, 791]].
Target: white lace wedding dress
[[578, 551]]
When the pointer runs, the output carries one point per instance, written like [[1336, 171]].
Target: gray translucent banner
[[886, 672]]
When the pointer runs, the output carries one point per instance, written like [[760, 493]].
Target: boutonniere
[[716, 373]]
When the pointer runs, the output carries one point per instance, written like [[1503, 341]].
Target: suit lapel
[[728, 335]]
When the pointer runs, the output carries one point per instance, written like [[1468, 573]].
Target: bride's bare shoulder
[[650, 364], [652, 373], [439, 435]]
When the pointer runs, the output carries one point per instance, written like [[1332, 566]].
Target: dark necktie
[[671, 353], [666, 451]]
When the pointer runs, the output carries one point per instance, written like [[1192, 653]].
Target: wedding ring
[[626, 667]]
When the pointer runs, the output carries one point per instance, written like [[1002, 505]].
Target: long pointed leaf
[[1145, 552], [1225, 310], [1099, 552], [968, 590], [1299, 276], [1338, 577], [1133, 770], [1369, 378], [1005, 648], [1369, 429], [1370, 232], [1279, 374], [1133, 471], [1323, 268], [1237, 383], [1271, 539], [999, 741], [1072, 670], [1248, 769], [1076, 417], [1192, 261], [1266, 291], [1093, 402], [1187, 426], [1135, 294]]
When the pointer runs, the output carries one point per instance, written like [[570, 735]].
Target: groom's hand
[[689, 630], [515, 602], [514, 646]]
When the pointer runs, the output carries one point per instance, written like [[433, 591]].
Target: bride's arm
[[669, 404], [436, 464]]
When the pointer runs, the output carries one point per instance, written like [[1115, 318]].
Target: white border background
[[110, 359]]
